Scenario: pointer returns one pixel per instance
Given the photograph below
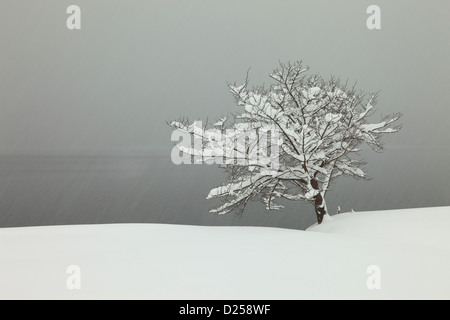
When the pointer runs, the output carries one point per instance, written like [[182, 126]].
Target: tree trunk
[[320, 207], [319, 202]]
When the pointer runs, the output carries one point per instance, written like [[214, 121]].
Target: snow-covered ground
[[410, 247]]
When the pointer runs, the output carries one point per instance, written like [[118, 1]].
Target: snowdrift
[[150, 261]]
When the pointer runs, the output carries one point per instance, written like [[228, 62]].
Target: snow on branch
[[319, 126]]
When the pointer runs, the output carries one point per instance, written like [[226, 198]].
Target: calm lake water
[[55, 190]]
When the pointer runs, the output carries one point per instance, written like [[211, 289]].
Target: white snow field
[[152, 261]]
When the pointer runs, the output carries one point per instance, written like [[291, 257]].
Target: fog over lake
[[52, 190]]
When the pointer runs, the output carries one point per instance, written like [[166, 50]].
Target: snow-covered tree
[[322, 125]]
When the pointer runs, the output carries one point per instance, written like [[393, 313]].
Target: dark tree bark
[[319, 206], [319, 203]]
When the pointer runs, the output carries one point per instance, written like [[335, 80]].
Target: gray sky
[[110, 87]]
